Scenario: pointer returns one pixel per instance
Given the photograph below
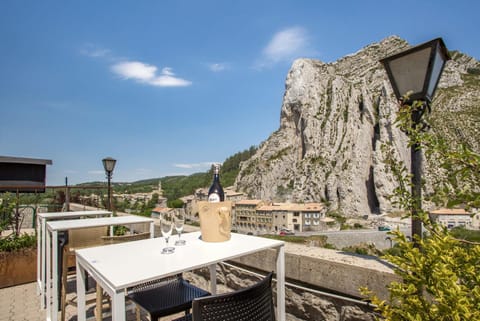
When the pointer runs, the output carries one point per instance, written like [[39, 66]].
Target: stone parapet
[[328, 269]]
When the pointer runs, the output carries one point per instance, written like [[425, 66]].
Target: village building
[[451, 218]]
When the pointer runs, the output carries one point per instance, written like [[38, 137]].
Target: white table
[[120, 266], [52, 239], [42, 219]]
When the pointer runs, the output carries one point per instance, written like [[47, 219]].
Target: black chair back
[[252, 303]]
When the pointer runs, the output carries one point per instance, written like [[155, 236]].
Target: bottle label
[[214, 198]]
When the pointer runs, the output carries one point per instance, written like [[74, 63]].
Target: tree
[[440, 273], [7, 211], [177, 203]]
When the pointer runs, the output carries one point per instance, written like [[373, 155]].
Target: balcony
[[320, 282]]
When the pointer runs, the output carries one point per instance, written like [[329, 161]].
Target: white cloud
[[286, 45], [96, 172], [143, 170], [94, 51], [218, 67], [167, 71], [204, 165], [169, 81], [147, 74], [134, 69]]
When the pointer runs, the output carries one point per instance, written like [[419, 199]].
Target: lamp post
[[415, 72], [109, 165]]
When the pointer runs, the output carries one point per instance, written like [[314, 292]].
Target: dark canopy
[[25, 175]]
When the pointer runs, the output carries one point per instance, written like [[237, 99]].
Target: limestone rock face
[[334, 119]]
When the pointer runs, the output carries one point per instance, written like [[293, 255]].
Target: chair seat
[[167, 297], [252, 303]]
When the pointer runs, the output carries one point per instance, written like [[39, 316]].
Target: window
[[307, 215], [294, 220], [307, 222]]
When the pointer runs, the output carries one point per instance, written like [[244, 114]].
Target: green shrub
[[362, 249], [329, 246], [464, 234], [473, 71], [14, 242], [7, 207]]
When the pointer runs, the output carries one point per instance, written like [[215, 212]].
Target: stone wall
[[309, 273]]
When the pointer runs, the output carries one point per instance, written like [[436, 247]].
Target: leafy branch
[[441, 276]]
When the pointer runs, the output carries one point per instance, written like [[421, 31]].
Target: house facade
[[451, 218]]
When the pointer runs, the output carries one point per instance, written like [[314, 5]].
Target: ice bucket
[[215, 221]]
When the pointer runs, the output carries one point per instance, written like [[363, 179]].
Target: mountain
[[334, 119]]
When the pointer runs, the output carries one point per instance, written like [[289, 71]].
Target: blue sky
[[168, 87]]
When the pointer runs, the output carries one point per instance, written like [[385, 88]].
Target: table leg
[[39, 251], [111, 226], [213, 278], [118, 306], [43, 261], [152, 229], [48, 275], [54, 279], [81, 308], [281, 283]]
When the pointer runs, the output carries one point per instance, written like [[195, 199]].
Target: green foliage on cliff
[[231, 166], [177, 186]]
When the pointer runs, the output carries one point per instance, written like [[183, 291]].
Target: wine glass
[[179, 221], [166, 226]]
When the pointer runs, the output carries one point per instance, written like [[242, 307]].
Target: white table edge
[[115, 291], [52, 238], [41, 220]]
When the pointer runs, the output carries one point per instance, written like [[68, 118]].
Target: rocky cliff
[[334, 119]]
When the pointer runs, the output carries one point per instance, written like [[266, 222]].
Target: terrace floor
[[21, 303]]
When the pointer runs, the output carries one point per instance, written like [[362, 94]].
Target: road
[[344, 238]]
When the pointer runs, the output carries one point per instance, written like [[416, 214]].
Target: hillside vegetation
[[175, 187]]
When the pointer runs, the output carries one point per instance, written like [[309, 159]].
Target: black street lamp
[[109, 165], [415, 73]]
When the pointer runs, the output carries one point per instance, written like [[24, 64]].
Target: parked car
[[384, 228], [286, 232]]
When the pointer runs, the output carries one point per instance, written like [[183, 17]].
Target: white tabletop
[[94, 222], [53, 227], [126, 264], [55, 215], [41, 241]]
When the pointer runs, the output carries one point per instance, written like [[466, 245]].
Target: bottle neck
[[216, 175]]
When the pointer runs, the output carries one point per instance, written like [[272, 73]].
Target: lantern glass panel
[[109, 164], [436, 71], [409, 71]]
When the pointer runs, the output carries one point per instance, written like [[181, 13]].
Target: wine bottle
[[215, 193]]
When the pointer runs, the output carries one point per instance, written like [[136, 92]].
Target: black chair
[[168, 296], [252, 303]]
